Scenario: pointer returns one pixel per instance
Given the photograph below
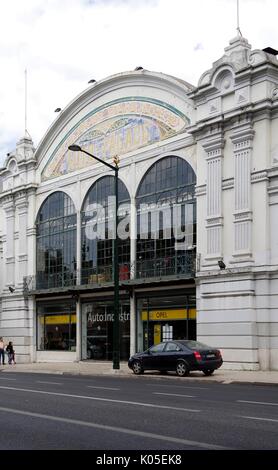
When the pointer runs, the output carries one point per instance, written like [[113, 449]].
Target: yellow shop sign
[[169, 314], [58, 319]]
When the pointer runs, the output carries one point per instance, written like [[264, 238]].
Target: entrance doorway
[[97, 330], [166, 318]]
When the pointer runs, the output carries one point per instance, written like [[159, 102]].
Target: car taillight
[[218, 353], [197, 355]]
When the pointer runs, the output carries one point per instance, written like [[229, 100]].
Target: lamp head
[[74, 148]]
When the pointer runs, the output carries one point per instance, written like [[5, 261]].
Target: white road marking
[[257, 402], [131, 432], [177, 386], [51, 383], [260, 419], [149, 405], [174, 395], [5, 378], [103, 388]]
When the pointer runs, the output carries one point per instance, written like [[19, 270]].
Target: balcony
[[104, 274], [180, 265], [147, 270]]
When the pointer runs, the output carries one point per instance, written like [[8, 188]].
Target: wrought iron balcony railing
[[181, 265], [104, 274]]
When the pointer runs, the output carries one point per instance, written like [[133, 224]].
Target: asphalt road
[[43, 411]]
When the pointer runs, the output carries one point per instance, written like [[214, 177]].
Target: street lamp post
[[116, 325]]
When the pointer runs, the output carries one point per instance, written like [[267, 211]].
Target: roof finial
[[238, 28], [25, 72]]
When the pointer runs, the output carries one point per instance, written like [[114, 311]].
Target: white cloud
[[65, 43]]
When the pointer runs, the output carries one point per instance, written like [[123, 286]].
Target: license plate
[[210, 355]]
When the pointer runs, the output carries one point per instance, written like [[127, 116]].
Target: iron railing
[[178, 266]]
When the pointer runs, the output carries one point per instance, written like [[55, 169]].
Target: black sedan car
[[181, 356]]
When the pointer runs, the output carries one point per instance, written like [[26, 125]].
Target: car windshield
[[194, 344]]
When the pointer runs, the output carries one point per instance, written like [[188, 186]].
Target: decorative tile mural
[[116, 128]]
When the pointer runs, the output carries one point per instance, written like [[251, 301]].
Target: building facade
[[197, 186]]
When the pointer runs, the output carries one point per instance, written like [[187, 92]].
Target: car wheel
[[137, 368], [182, 369], [208, 372]]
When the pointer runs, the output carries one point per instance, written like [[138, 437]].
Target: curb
[[123, 373]]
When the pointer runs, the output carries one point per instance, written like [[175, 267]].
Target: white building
[[213, 150]]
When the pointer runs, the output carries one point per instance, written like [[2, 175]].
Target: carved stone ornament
[[274, 93], [205, 78], [242, 95], [256, 57], [224, 81]]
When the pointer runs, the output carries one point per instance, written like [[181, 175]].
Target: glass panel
[[97, 330], [56, 242], [172, 347], [56, 327], [166, 214], [157, 348], [97, 232]]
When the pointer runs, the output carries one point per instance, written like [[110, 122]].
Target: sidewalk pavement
[[91, 368]]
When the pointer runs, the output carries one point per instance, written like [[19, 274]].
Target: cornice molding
[[242, 137], [31, 231], [228, 183], [201, 190], [258, 176], [214, 145], [23, 189]]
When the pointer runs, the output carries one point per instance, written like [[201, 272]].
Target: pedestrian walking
[[2, 351], [11, 353]]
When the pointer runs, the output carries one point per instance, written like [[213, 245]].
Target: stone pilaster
[[21, 204], [242, 139], [214, 220], [9, 209]]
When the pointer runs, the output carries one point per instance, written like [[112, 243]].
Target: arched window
[[56, 242], [98, 219], [166, 220]]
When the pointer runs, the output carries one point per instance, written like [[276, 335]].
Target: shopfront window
[[98, 217], [166, 220], [56, 242], [97, 330], [56, 327], [165, 318]]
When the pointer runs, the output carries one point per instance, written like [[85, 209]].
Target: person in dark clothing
[[11, 353], [2, 351]]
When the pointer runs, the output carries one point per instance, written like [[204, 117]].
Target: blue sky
[[65, 43]]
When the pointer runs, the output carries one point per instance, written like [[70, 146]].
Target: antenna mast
[[26, 132], [238, 28]]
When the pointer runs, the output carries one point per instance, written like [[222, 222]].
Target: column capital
[[214, 146], [242, 137]]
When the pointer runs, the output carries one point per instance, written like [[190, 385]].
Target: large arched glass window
[[98, 219], [56, 242], [166, 220]]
